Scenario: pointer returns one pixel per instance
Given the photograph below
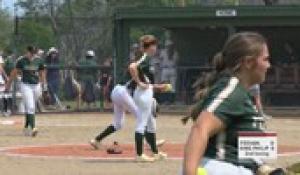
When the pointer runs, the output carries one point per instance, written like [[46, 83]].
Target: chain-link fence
[[184, 55]]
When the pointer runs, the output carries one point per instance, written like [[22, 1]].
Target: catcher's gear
[[46, 98], [114, 149]]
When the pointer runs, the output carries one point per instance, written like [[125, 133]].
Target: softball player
[[122, 102], [142, 74], [226, 107], [32, 70], [3, 95]]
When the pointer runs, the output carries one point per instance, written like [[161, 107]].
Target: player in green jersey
[[226, 107], [32, 70]]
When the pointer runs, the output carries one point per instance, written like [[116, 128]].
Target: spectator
[[290, 53], [156, 66], [255, 92], [53, 73], [106, 83], [169, 62], [72, 88], [87, 75], [9, 64], [133, 49], [40, 53]]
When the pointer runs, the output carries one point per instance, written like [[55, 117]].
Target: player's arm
[[42, 79], [12, 76], [3, 73], [109, 81], [42, 76], [159, 87], [133, 70], [204, 127]]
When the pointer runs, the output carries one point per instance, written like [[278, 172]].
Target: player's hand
[[163, 87], [159, 87]]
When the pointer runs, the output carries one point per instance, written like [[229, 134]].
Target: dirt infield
[[61, 147]]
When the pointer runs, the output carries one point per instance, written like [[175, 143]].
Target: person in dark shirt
[[53, 73], [87, 76], [106, 82]]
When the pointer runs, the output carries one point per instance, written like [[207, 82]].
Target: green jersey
[[86, 72], [229, 101], [144, 69], [30, 69]]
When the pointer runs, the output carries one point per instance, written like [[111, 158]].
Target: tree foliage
[[6, 30], [77, 25]]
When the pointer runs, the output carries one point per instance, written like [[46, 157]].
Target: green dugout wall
[[270, 21]]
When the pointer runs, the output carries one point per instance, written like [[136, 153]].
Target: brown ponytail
[[227, 62], [147, 40], [203, 85], [137, 55]]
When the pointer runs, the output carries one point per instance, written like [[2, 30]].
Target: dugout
[[199, 32]]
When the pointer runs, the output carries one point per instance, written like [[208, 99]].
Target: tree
[[36, 34], [6, 30]]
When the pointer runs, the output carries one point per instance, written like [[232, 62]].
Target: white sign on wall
[[226, 12], [257, 145]]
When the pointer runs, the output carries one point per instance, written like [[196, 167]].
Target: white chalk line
[[5, 151]]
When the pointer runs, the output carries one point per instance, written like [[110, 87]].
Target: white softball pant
[[123, 102], [216, 167], [30, 93], [144, 101]]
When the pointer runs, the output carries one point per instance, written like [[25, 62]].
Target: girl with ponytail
[[224, 107]]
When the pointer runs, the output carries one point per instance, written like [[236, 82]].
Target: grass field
[[79, 128]]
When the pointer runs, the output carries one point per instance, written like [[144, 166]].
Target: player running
[[32, 70]]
